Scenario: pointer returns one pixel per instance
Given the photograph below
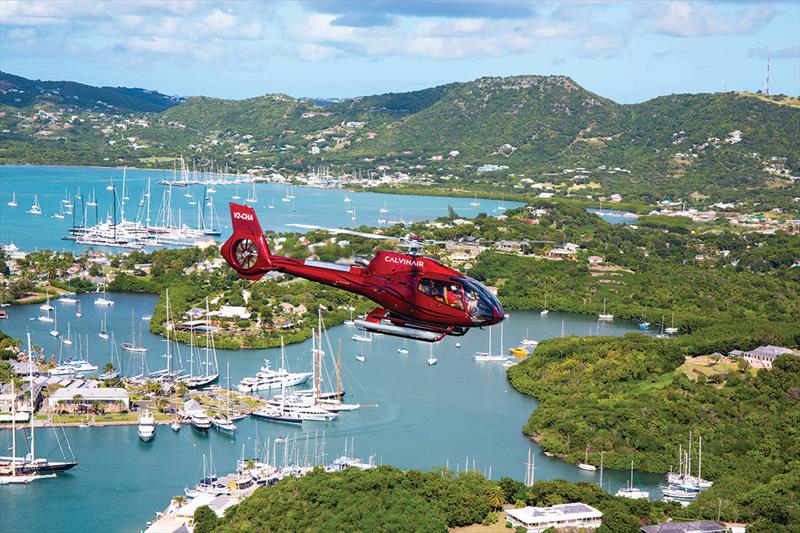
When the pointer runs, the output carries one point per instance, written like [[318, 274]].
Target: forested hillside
[[19, 92]]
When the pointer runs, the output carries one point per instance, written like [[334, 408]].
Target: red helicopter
[[418, 297]]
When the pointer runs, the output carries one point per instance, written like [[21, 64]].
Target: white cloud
[[602, 44], [692, 19]]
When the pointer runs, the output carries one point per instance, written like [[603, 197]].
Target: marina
[[172, 220], [425, 416]]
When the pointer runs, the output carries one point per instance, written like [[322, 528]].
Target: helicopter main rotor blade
[[347, 232]]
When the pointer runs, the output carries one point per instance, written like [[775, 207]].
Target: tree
[[205, 520], [495, 495]]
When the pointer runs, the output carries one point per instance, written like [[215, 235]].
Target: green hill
[[16, 91], [727, 146]]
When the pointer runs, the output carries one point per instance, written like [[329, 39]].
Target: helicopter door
[[445, 292]]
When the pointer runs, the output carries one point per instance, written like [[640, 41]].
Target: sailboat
[[92, 201], [78, 311], [30, 465], [358, 337], [54, 332], [103, 333], [252, 198], [672, 329], [13, 202], [604, 315], [527, 341], [361, 358], [431, 359], [404, 349], [475, 202], [46, 306], [68, 340], [35, 208], [211, 372], [271, 203], [488, 357], [383, 209], [222, 422], [60, 214], [9, 474], [236, 193], [290, 194], [133, 346], [350, 322], [632, 492], [545, 311], [103, 300], [112, 374], [585, 464]]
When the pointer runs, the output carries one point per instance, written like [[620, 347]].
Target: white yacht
[[269, 379], [13, 202], [200, 421], [147, 426], [362, 338], [604, 315], [103, 300]]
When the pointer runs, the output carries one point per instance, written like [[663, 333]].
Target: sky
[[628, 51]]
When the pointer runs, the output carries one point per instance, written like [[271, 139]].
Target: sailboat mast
[[13, 430], [30, 384], [339, 372]]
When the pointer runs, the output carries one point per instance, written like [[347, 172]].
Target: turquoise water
[[425, 417], [614, 216], [322, 207]]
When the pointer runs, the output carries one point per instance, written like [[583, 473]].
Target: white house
[[106, 395], [567, 515]]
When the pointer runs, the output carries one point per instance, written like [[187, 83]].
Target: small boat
[[585, 464], [60, 214], [175, 426], [103, 334], [147, 318], [404, 349], [252, 198], [147, 426], [431, 359], [13, 202], [35, 208], [458, 345], [527, 341], [347, 199], [475, 202], [604, 315], [361, 357], [672, 329], [78, 311], [509, 363], [519, 351]]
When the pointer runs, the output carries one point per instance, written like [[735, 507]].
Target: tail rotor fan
[[246, 253]]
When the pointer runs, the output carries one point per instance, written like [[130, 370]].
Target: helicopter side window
[[446, 292]]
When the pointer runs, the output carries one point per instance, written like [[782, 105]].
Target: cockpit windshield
[[481, 303]]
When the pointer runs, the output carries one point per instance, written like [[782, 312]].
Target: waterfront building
[[702, 526], [113, 398], [567, 515]]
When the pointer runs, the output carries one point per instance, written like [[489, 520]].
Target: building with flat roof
[[701, 526], [537, 519]]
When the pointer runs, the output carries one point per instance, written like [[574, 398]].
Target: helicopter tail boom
[[247, 250]]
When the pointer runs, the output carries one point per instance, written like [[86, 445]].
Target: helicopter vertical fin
[[247, 250]]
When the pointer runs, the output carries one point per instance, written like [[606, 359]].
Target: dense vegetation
[[540, 127], [387, 499]]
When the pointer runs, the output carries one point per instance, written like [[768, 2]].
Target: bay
[[425, 417], [321, 207]]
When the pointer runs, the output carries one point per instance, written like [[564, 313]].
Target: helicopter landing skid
[[380, 321]]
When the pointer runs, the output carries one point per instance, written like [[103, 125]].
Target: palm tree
[[495, 496], [179, 500]]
